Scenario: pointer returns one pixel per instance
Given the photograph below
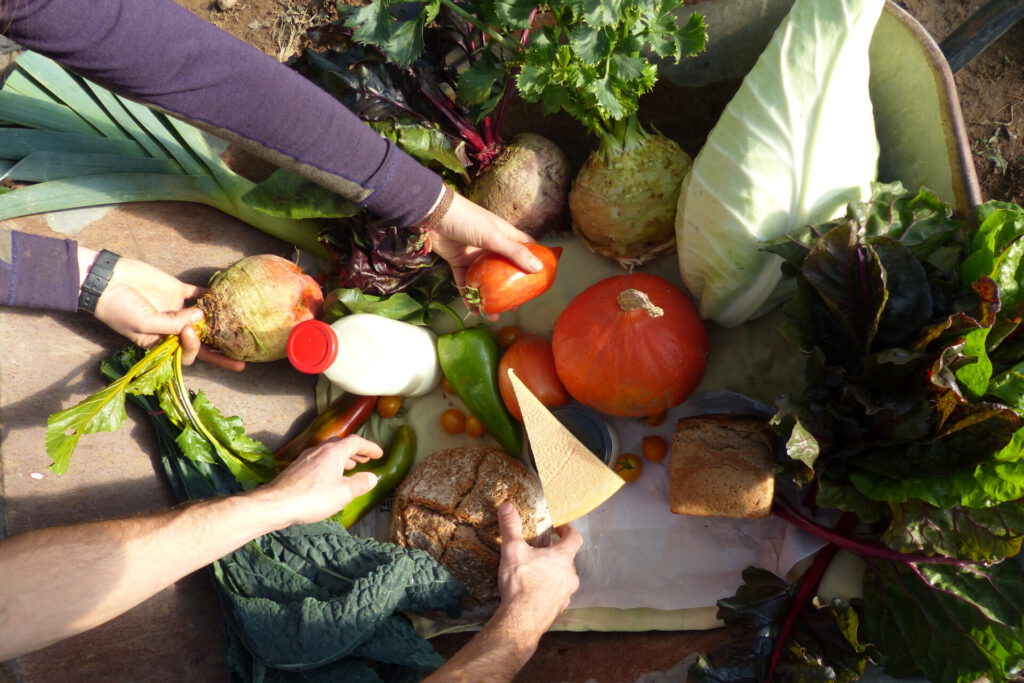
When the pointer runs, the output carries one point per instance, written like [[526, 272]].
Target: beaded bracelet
[[97, 280]]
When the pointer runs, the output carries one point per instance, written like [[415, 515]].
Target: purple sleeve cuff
[[158, 52], [38, 272]]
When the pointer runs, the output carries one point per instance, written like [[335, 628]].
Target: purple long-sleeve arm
[[161, 54], [38, 272]]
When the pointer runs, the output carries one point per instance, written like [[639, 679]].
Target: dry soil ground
[[991, 87]]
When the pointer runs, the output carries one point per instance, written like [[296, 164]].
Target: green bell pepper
[[391, 469], [469, 359]]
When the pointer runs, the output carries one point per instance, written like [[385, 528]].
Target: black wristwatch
[[97, 280]]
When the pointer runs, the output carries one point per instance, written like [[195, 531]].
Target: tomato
[[531, 358], [654, 448], [447, 386], [508, 335], [474, 427], [656, 420], [494, 284], [388, 406], [628, 466], [453, 421]]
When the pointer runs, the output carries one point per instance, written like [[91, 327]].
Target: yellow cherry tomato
[[628, 466], [453, 421], [654, 448], [388, 406]]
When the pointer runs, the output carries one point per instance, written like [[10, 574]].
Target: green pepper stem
[[451, 314]]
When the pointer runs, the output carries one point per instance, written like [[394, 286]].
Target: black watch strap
[[97, 280]]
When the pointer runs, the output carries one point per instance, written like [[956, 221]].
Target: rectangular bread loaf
[[721, 466]]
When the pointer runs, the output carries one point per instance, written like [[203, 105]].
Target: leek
[[83, 145]]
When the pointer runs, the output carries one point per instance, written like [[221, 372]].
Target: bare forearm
[[496, 653], [61, 581]]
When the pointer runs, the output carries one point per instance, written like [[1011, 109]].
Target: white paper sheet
[[639, 554]]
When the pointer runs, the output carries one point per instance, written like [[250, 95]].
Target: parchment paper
[[639, 554]]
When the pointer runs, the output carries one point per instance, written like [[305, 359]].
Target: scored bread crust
[[447, 506], [721, 466]]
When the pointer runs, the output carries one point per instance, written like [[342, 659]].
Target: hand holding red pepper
[[467, 229]]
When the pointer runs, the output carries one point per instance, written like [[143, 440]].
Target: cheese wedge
[[574, 480]]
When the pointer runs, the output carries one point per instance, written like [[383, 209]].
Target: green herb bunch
[[590, 59]]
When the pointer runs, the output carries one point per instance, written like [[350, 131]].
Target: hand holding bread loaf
[[447, 507]]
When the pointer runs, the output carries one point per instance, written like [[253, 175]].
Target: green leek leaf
[[64, 87], [115, 107], [289, 195], [44, 166], [89, 146], [24, 110], [17, 82], [113, 188], [16, 143]]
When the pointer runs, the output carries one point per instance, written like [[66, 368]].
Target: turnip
[[526, 184], [251, 307]]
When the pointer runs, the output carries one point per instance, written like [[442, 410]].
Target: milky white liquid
[[378, 356]]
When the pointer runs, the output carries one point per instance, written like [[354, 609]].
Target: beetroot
[[526, 184], [252, 306]]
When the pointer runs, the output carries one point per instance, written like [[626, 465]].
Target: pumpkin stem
[[634, 299]]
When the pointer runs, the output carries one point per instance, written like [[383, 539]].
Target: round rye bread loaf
[[447, 506]]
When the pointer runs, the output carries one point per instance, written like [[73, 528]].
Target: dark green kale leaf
[[310, 602]]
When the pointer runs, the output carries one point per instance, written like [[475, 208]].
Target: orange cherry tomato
[[508, 336], [534, 364], [388, 406], [453, 421], [447, 386], [655, 420], [655, 448], [474, 427], [628, 466]]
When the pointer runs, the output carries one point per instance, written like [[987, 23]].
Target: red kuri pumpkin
[[630, 345]]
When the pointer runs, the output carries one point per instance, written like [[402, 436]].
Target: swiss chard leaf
[[104, 411], [398, 306], [977, 534], [825, 645], [951, 624], [911, 419]]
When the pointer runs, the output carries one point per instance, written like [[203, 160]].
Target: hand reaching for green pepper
[[390, 470]]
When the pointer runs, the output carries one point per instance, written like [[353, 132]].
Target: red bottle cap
[[312, 346]]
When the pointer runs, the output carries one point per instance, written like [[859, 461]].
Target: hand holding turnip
[[467, 229], [145, 304], [313, 487], [248, 312]]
